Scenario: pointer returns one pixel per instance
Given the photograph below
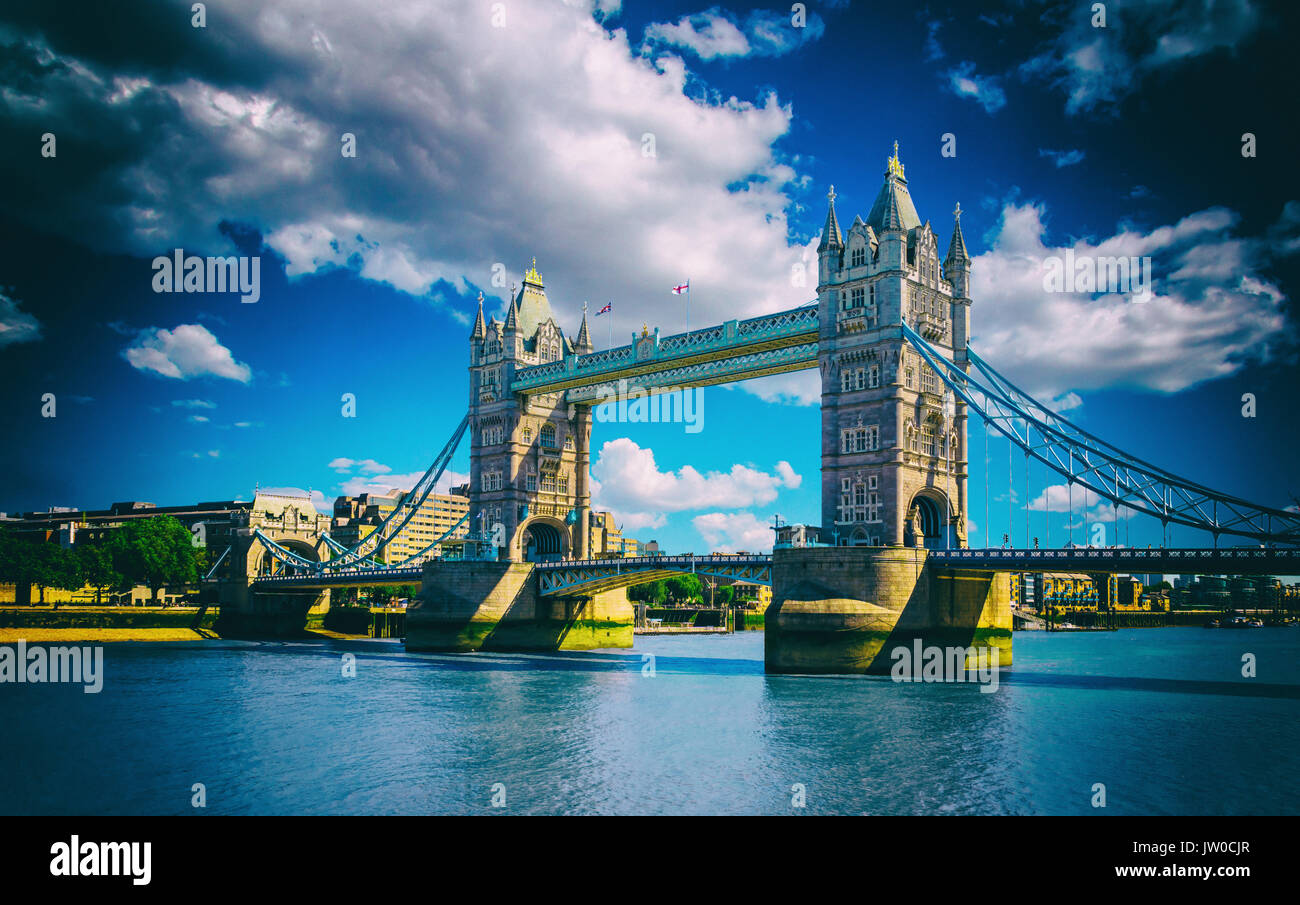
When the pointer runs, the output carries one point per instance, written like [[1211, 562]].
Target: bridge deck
[[595, 575]]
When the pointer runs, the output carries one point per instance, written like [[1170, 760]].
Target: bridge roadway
[[1164, 560], [595, 575]]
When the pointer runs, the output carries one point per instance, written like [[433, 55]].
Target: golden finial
[[645, 331], [532, 276], [830, 196], [957, 213], [895, 165]]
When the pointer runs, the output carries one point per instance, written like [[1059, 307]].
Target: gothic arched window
[[548, 436]]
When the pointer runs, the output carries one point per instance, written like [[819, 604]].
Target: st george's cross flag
[[684, 287]]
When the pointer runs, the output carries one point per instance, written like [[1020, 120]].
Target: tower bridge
[[889, 334]]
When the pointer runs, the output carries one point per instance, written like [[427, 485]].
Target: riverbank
[[98, 635], [107, 624]]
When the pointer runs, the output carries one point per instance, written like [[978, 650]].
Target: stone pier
[[844, 609], [467, 606], [245, 613]]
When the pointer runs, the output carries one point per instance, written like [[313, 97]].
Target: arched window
[[528, 435], [548, 436]]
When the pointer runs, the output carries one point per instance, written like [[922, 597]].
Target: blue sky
[[484, 141]]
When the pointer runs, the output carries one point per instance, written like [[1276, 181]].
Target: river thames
[[1162, 717]]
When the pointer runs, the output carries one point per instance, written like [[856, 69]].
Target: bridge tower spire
[[583, 343], [832, 244], [480, 330]]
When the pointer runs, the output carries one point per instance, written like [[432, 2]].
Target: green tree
[[26, 561], [157, 552], [684, 588], [58, 567], [725, 595], [97, 568], [19, 563], [654, 593]]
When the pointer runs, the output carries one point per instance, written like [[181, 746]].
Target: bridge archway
[[544, 540], [929, 518], [265, 564]]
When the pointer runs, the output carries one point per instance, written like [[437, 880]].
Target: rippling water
[[1162, 717]]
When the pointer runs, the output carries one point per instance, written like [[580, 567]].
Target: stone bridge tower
[[529, 459], [894, 458]]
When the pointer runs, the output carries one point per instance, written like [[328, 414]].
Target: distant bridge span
[[592, 576]]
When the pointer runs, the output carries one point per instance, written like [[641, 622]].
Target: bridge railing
[[731, 334]]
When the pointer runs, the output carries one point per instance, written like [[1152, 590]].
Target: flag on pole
[[682, 289], [608, 308]]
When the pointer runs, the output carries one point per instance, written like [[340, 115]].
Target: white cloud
[[365, 466], [627, 481], [1065, 403], [727, 532], [16, 325], [795, 388], [193, 404], [447, 131], [369, 476], [186, 352], [718, 33], [985, 90], [1098, 66], [1210, 308], [639, 521], [708, 35], [198, 419], [1063, 158], [1057, 498]]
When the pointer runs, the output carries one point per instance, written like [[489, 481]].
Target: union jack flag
[[608, 307], [684, 287]]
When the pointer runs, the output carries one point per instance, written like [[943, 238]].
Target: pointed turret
[[957, 247], [831, 231], [512, 317], [956, 267], [583, 342], [893, 208], [480, 330]]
